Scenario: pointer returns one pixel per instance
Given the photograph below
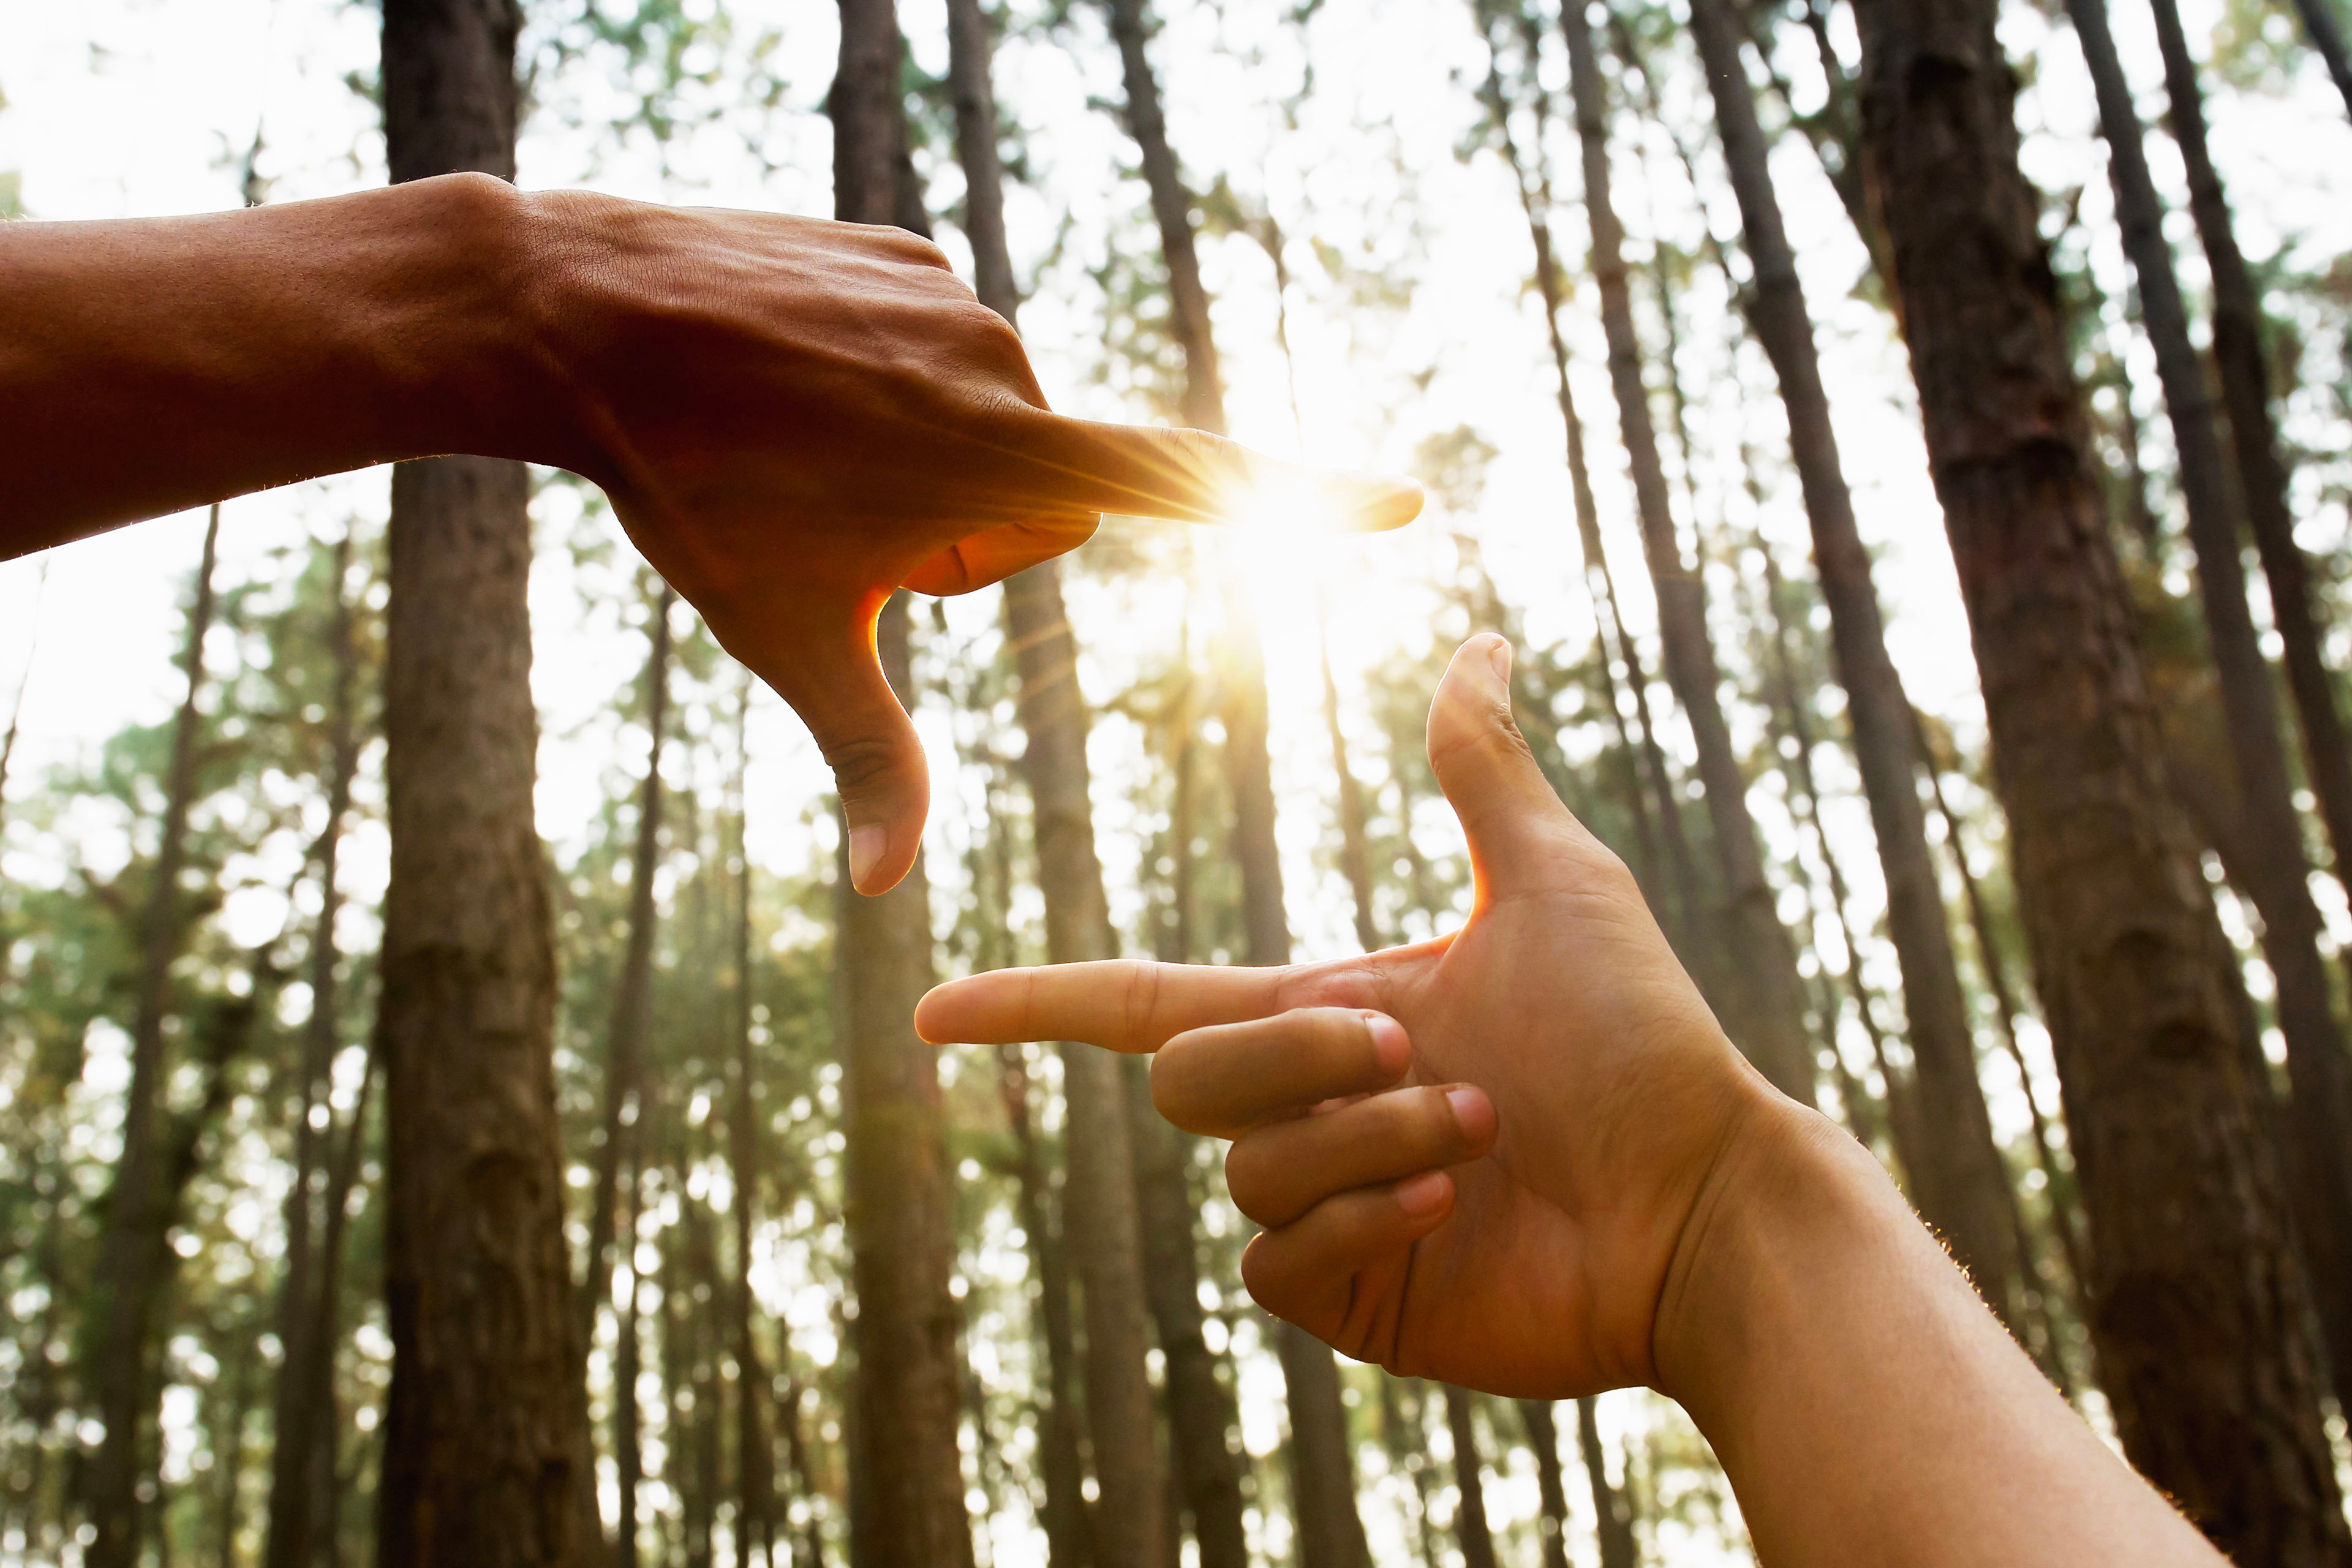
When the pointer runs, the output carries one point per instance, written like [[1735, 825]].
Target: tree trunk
[[1355, 853], [2239, 356], [2276, 876], [1956, 1174], [228, 1453], [2326, 35], [1470, 1486], [907, 1398], [628, 1453], [1098, 1203], [2197, 1305], [755, 1514], [294, 1407], [132, 1256], [632, 1015], [486, 1453], [1543, 1437], [1068, 1530], [1612, 1513], [1765, 993], [1330, 1533], [909, 1404], [327, 1480]]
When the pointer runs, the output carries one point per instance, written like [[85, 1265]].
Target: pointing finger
[[1196, 477], [1124, 1004]]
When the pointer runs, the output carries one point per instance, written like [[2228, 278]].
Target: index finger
[[1193, 475], [1124, 1004]]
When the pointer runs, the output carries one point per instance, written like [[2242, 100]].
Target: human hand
[[792, 417], [1479, 1159]]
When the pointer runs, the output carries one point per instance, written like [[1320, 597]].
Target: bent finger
[[1304, 1273], [1193, 475], [995, 554], [1224, 1077], [1277, 1172]]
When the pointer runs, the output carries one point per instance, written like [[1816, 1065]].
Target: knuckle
[[861, 764]]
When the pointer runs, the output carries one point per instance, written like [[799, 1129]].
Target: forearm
[[1866, 1406], [148, 365]]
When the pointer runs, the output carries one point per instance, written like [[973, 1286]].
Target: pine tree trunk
[[632, 1015], [2271, 862], [1956, 1174], [327, 1480], [2326, 36], [2239, 356], [906, 1461], [1098, 1202], [133, 1256], [1330, 1533], [1470, 1527], [908, 1403], [1613, 1516], [2197, 1305], [486, 1447], [628, 1453], [1552, 1493], [294, 1407], [1068, 1530], [755, 1508], [1765, 997]]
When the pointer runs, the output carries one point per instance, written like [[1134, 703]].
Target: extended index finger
[[1124, 1005], [1196, 477]]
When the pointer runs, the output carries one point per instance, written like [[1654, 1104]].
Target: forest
[[1909, 446]]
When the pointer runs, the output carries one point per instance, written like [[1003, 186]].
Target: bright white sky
[[118, 107]]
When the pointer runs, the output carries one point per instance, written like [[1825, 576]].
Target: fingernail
[[1473, 1113], [1393, 1051], [1424, 1194], [865, 846], [1499, 654]]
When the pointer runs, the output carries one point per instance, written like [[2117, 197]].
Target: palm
[[1542, 1280]]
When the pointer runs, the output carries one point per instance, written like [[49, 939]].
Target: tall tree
[[2271, 862], [1957, 1175], [633, 995], [1765, 995], [906, 1458], [2325, 31], [1551, 1492], [755, 1502], [2245, 374], [134, 1258], [1098, 1207], [1612, 1512], [306, 1357], [486, 1440], [1323, 1488], [2197, 1306], [1470, 1526]]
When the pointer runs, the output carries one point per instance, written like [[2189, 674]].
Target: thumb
[[1522, 839], [839, 689]]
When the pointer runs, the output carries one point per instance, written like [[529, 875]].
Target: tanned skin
[[1523, 1158], [791, 416]]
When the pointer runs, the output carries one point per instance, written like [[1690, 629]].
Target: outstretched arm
[[792, 417], [1525, 1159]]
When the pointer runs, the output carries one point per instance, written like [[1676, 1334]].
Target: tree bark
[[1543, 1437], [2244, 372], [1611, 1511], [631, 1016], [1956, 1174], [132, 1257], [909, 1404], [2196, 1304], [2326, 36], [1099, 1200], [629, 1452], [1470, 1527], [295, 1408], [2272, 863], [1765, 995], [755, 1459], [1330, 1533]]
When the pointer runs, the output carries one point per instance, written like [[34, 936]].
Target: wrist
[[1787, 1194]]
